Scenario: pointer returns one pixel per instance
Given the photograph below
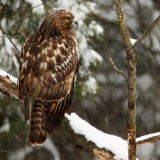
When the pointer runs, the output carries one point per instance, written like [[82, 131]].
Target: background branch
[[115, 68], [131, 66], [148, 31]]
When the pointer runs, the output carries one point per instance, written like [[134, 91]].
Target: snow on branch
[[112, 143], [150, 138], [101, 145], [5, 74], [8, 84]]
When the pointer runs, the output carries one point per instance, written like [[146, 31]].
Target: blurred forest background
[[101, 93]]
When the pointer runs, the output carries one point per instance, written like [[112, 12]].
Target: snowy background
[[101, 94]]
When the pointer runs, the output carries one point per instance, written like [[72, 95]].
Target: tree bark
[[131, 65]]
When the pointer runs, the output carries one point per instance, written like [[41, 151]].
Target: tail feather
[[37, 134]]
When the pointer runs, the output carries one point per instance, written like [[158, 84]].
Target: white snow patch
[[90, 85], [4, 74], [147, 136], [115, 144], [133, 41], [5, 127], [94, 27], [91, 56], [145, 82], [39, 8]]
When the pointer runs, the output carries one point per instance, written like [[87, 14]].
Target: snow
[[145, 81], [4, 74], [95, 28], [115, 144], [39, 8], [5, 127], [91, 56], [147, 136], [90, 86], [133, 41]]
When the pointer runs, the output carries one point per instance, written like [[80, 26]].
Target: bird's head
[[59, 21]]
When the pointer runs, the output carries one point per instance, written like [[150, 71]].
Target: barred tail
[[37, 134]]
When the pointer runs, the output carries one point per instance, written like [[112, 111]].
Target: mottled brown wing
[[54, 112], [47, 67]]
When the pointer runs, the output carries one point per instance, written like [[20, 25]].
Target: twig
[[115, 68], [21, 10], [9, 38], [148, 31], [6, 36], [131, 66]]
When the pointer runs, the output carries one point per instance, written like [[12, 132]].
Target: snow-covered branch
[[81, 133], [150, 138], [9, 86]]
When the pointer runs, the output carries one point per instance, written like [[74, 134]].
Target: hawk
[[48, 70]]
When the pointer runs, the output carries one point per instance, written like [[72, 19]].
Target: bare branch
[[115, 68], [148, 31], [131, 66]]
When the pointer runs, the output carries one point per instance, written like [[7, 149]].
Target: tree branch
[[115, 68], [148, 31], [150, 138], [131, 65], [8, 87]]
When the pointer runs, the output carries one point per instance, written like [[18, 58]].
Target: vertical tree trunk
[[131, 65]]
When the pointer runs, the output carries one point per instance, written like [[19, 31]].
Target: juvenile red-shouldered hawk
[[47, 74]]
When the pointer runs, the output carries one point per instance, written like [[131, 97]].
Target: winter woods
[[101, 93]]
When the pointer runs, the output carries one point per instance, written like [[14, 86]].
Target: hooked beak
[[75, 23]]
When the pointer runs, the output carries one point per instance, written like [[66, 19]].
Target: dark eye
[[69, 18]]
